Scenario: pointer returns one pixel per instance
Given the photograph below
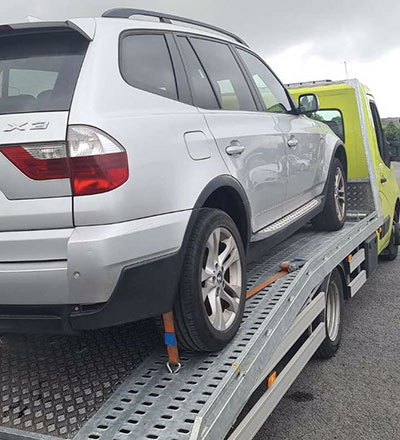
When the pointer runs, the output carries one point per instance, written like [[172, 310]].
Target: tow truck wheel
[[333, 316], [391, 252], [212, 291]]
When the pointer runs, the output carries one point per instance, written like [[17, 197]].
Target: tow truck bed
[[113, 384]]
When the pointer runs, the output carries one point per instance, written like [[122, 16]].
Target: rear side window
[[272, 92], [227, 79], [203, 94], [333, 118], [38, 72], [146, 64]]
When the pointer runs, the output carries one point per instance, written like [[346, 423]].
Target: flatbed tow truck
[[114, 384]]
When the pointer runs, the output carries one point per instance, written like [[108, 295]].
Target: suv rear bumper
[[111, 274]]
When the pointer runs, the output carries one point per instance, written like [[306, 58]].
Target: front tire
[[392, 250], [212, 290], [333, 217]]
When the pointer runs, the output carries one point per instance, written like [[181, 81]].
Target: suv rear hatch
[[39, 69]]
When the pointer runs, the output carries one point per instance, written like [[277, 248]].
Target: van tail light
[[94, 162]]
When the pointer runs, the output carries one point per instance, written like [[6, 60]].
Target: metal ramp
[[113, 384]]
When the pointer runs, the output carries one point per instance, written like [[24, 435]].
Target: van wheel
[[212, 290], [333, 317], [333, 216], [392, 250]]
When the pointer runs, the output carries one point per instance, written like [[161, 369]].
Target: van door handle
[[383, 180], [292, 142], [235, 148]]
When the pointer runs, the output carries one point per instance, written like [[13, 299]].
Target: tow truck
[[114, 384]]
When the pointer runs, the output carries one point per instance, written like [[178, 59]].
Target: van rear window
[[39, 71]]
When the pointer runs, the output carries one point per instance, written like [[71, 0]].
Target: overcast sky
[[301, 40]]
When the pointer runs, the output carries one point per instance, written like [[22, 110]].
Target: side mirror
[[308, 104], [394, 147]]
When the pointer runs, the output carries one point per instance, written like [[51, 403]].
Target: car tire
[[212, 289], [333, 317], [333, 216], [392, 250]]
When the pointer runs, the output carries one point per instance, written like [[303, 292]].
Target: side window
[[333, 118], [272, 92], [227, 79], [380, 136], [146, 64], [203, 93]]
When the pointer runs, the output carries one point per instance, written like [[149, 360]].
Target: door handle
[[235, 148], [292, 142], [383, 180]]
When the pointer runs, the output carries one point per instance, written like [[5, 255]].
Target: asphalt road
[[355, 395]]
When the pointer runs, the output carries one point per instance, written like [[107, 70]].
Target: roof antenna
[[345, 69], [31, 19]]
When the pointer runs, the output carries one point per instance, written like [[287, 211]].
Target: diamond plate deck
[[53, 385]]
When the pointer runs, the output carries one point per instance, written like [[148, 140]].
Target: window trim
[[386, 151], [293, 111], [181, 82], [255, 97], [177, 35], [341, 115]]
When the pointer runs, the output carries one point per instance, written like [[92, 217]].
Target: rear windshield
[[39, 71]]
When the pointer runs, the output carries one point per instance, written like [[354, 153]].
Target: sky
[[300, 40]]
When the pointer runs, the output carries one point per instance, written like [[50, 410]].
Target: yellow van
[[349, 109]]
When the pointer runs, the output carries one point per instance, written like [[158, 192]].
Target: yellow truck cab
[[350, 110]]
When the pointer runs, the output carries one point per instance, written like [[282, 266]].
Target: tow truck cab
[[339, 110]]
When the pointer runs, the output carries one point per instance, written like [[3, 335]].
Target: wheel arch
[[226, 193], [343, 275], [397, 207], [342, 272], [340, 153]]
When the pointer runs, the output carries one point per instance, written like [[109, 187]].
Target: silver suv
[[139, 161]]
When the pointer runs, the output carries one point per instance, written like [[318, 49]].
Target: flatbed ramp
[[114, 385]]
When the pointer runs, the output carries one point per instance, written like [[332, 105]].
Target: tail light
[[97, 162], [93, 161]]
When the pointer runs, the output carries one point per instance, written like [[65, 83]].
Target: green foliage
[[392, 132], [317, 117]]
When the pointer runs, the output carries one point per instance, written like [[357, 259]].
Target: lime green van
[[350, 110]]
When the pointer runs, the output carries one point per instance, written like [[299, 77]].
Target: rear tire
[[212, 290], [333, 217], [333, 317]]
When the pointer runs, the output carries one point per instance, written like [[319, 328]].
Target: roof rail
[[323, 82], [167, 18]]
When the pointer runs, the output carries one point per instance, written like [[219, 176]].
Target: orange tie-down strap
[[168, 318], [170, 339], [286, 267], [265, 284]]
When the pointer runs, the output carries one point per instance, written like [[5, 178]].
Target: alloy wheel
[[340, 194], [333, 310], [221, 279]]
